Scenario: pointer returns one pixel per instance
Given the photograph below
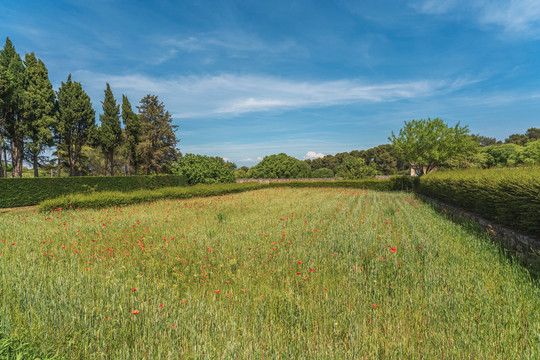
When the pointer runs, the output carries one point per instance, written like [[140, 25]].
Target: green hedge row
[[394, 183], [116, 198], [509, 196], [109, 198], [16, 192]]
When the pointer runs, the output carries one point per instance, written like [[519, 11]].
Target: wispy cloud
[[236, 44], [228, 95], [518, 17]]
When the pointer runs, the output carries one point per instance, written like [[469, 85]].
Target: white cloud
[[313, 155], [226, 159], [228, 95], [259, 158], [514, 16]]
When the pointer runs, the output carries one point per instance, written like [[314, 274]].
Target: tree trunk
[[127, 164], [35, 158], [59, 165], [17, 147], [1, 165], [78, 151], [71, 160], [5, 163], [111, 154]]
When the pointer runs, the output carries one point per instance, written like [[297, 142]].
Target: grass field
[[275, 273]]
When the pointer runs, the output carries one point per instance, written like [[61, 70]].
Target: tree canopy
[[281, 166], [201, 169], [428, 144], [157, 149]]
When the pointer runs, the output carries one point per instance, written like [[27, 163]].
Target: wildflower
[[135, 312], [393, 249]]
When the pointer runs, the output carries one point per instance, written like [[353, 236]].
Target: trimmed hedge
[[509, 196], [116, 198], [394, 183], [16, 192]]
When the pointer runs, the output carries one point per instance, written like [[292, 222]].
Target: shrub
[[509, 196], [201, 169], [31, 191], [116, 198], [281, 166], [322, 173], [356, 168]]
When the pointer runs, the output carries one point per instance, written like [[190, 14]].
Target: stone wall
[[526, 248], [266, 181]]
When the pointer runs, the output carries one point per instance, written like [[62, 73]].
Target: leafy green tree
[[133, 134], [517, 139], [12, 106], [76, 123], [281, 166], [201, 169], [485, 141], [110, 130], [503, 155], [533, 134], [531, 153], [429, 144], [39, 108], [356, 168], [241, 174], [157, 149], [384, 159], [322, 173]]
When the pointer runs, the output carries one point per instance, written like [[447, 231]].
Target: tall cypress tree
[[110, 131], [76, 119], [38, 107], [14, 126], [157, 149], [132, 130]]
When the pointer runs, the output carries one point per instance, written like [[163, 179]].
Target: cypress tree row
[[157, 149], [110, 132], [12, 75], [76, 121], [38, 107], [33, 117], [132, 130]]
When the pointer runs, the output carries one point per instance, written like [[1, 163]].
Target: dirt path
[[18, 209]]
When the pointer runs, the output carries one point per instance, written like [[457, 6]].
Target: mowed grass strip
[[281, 272]]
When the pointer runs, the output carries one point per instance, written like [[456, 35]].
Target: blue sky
[[246, 79]]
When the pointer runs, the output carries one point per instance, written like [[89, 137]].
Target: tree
[[110, 131], [12, 94], [132, 130], [384, 159], [38, 107], [157, 149], [200, 169], [356, 168], [485, 141], [76, 121], [281, 166], [517, 139], [322, 173], [429, 144]]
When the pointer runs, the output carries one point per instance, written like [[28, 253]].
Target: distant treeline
[[35, 118]]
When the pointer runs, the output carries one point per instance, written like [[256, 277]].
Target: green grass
[[381, 276]]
